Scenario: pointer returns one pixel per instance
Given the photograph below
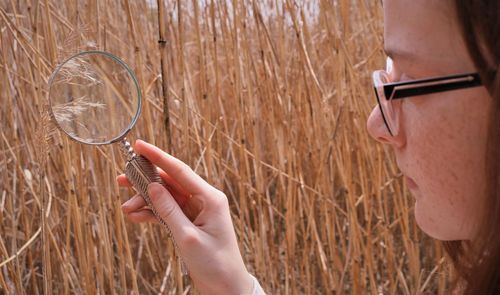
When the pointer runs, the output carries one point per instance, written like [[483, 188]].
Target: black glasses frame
[[405, 89], [398, 90]]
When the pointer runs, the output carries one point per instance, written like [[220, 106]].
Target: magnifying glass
[[95, 99]]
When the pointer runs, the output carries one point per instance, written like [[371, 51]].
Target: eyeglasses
[[389, 94]]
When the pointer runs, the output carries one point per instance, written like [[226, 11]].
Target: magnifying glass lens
[[94, 97]]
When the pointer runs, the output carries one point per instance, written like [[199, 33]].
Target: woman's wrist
[[248, 284], [240, 284], [245, 285]]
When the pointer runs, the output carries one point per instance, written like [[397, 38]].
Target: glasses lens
[[390, 114]]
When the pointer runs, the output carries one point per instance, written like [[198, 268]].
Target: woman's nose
[[378, 130]]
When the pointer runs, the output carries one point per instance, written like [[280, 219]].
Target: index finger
[[175, 168]]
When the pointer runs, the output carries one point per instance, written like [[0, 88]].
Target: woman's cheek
[[449, 186], [430, 165]]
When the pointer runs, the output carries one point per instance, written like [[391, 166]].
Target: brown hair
[[478, 262]]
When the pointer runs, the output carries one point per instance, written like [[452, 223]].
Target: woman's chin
[[432, 224]]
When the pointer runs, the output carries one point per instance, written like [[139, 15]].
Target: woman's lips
[[410, 183]]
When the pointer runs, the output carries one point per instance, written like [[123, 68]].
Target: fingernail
[[125, 206], [140, 141]]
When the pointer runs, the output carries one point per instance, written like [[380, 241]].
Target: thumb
[[168, 209]]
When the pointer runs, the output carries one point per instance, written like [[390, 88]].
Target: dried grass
[[266, 99]]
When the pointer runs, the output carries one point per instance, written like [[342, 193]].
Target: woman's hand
[[199, 219]]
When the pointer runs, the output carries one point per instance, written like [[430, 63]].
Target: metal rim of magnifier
[[137, 87]]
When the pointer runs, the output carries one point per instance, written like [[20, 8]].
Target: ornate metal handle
[[141, 172]]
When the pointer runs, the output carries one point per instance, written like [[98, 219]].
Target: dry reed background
[[267, 100]]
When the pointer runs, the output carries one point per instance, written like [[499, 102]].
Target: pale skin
[[442, 138], [199, 218], [440, 146]]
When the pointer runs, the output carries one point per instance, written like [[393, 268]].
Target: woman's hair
[[478, 261]]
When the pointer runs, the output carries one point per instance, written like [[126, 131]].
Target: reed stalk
[[265, 99]]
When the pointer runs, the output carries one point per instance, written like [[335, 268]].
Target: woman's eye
[[396, 74], [399, 76], [404, 77]]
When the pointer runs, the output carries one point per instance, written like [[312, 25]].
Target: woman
[[439, 109]]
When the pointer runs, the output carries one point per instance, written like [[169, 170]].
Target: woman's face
[[441, 142]]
